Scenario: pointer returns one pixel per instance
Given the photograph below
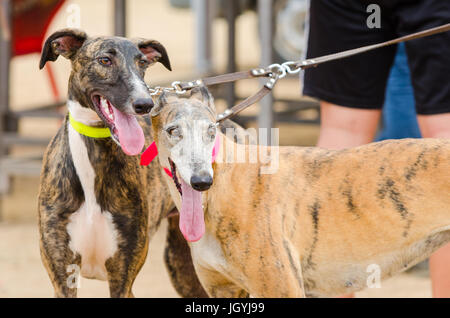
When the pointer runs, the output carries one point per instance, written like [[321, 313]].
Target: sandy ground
[[21, 270], [22, 273]]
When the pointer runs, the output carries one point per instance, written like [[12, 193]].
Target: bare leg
[[440, 272], [343, 127], [437, 126], [434, 126]]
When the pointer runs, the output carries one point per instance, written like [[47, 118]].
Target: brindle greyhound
[[93, 202], [95, 210], [316, 225]]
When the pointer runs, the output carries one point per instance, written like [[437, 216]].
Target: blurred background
[[202, 37]]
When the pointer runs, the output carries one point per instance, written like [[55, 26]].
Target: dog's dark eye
[[174, 132], [106, 61], [143, 63], [212, 131]]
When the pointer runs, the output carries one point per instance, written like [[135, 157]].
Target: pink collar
[[152, 151]]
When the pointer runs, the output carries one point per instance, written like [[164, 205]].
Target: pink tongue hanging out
[[192, 224], [131, 136]]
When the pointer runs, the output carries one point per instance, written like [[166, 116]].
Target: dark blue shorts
[[360, 81]]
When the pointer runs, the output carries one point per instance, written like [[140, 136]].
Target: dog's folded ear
[[202, 94], [65, 42], [159, 103], [154, 51]]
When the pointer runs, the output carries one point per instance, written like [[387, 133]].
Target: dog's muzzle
[[143, 106], [201, 181]]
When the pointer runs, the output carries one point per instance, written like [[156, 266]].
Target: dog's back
[[381, 204], [385, 203]]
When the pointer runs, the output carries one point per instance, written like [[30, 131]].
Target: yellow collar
[[88, 131]]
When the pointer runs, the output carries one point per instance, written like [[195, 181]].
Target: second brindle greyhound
[[316, 225]]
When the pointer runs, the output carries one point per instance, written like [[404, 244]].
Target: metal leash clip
[[177, 88], [291, 67], [221, 116], [277, 69], [155, 91], [272, 81], [191, 84], [305, 64], [260, 72]]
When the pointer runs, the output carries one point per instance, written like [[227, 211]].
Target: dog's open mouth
[[192, 223], [173, 170], [124, 127]]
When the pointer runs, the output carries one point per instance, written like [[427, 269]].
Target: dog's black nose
[[201, 182], [143, 105]]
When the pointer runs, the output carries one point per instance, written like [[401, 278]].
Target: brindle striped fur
[[315, 226], [121, 184]]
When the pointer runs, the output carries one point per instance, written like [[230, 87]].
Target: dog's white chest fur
[[207, 253], [92, 232]]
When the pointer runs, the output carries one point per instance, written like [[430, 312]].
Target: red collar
[[152, 151]]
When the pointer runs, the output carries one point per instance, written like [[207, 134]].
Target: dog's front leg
[[177, 256], [219, 286], [63, 266], [124, 266], [281, 280], [120, 280]]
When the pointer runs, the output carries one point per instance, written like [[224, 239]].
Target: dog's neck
[[95, 133], [229, 156], [84, 115]]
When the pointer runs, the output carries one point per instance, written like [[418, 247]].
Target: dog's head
[[185, 132], [108, 77]]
